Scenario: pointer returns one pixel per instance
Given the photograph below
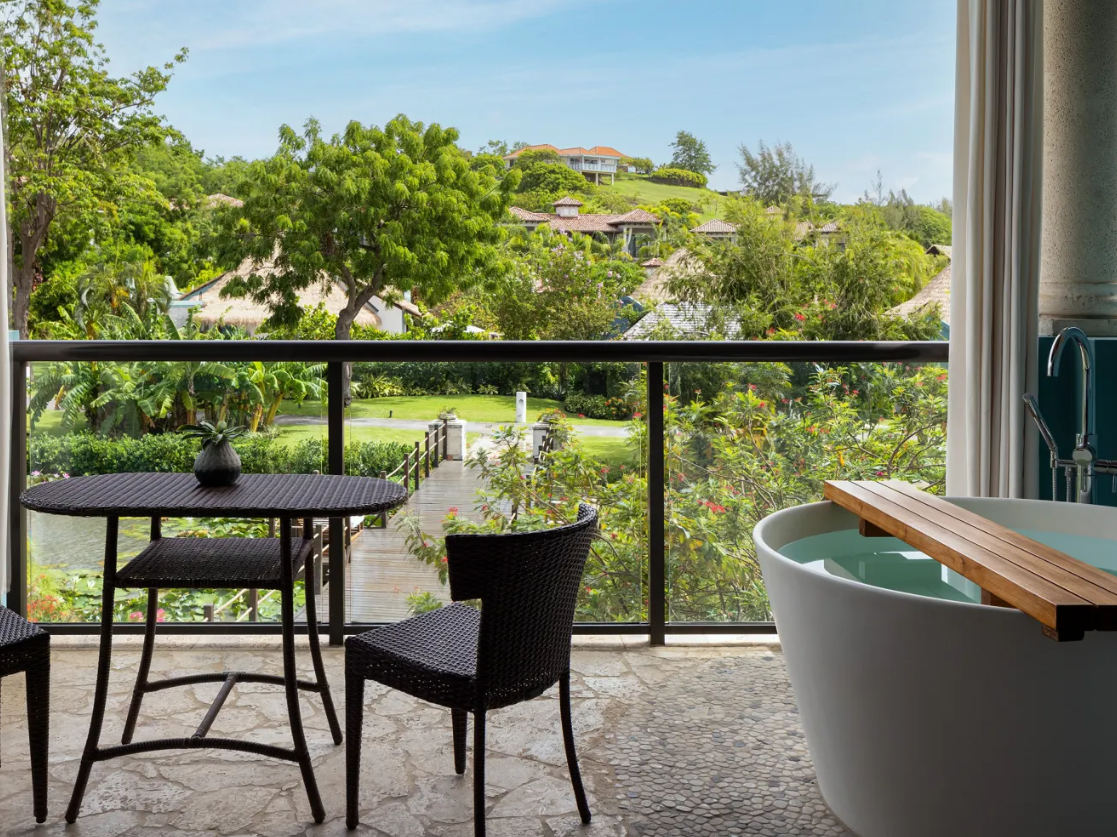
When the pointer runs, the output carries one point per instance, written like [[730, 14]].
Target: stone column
[[1078, 273]]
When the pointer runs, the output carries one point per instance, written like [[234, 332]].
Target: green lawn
[[488, 408], [49, 424], [637, 186], [610, 451], [291, 434]]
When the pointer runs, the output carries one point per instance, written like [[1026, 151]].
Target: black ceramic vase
[[217, 466]]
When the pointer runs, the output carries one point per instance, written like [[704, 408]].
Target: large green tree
[[775, 284], [381, 211], [70, 127], [688, 152], [776, 174]]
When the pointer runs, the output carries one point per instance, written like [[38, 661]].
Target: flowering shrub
[[600, 407], [74, 595], [731, 460]]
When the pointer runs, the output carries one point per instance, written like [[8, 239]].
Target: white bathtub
[[931, 718]]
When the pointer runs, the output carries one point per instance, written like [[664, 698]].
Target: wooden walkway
[[382, 573]]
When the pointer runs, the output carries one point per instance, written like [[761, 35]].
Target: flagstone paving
[[673, 741]]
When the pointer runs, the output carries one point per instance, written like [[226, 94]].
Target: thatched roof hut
[[211, 307], [935, 292]]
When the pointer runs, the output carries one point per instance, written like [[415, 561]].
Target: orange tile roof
[[573, 151], [605, 151]]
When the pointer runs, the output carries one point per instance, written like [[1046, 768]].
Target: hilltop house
[[210, 308], [567, 218], [592, 162]]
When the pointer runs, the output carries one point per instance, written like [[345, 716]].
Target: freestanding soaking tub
[[928, 714]]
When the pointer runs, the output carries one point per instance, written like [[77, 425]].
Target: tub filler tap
[[1084, 464]]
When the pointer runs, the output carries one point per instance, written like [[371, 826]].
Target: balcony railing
[[578, 165], [653, 355]]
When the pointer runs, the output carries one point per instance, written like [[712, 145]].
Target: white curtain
[[5, 373], [994, 317]]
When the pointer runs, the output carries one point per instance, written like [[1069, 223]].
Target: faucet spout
[[1086, 354]]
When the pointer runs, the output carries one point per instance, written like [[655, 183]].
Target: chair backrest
[[528, 585]]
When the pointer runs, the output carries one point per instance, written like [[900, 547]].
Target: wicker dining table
[[260, 563]]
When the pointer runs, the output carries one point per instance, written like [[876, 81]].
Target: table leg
[[290, 674], [316, 654], [140, 689], [104, 663]]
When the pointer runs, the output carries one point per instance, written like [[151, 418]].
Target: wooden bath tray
[[1065, 595]]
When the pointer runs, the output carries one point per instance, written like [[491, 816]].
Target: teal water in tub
[[891, 564]]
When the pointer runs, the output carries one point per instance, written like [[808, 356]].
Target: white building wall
[[391, 318]]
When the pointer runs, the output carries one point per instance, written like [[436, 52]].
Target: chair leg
[[140, 689], [316, 656], [571, 755], [479, 773], [354, 718], [457, 716], [38, 730]]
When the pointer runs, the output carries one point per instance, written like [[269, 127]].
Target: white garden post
[[455, 437]]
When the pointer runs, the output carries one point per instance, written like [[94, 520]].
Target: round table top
[[180, 495]]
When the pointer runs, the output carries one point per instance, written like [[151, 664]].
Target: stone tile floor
[[672, 741]]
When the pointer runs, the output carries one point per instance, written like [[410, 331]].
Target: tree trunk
[[358, 299], [345, 320], [269, 417], [23, 278]]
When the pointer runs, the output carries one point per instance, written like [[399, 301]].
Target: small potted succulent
[[217, 464], [448, 414]]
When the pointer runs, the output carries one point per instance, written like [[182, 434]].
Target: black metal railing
[[654, 354]]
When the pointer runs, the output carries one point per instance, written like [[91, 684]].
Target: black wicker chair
[[514, 649], [26, 647]]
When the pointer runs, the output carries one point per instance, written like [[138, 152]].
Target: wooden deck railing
[[417, 464]]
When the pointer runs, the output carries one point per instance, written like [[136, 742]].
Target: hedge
[[678, 177], [540, 380], [599, 407], [79, 454]]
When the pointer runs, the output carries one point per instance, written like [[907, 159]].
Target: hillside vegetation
[[637, 186]]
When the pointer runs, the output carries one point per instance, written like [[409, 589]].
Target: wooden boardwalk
[[382, 573]]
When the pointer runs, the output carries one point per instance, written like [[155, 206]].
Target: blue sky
[[855, 85]]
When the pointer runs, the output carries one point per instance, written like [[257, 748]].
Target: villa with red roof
[[592, 162]]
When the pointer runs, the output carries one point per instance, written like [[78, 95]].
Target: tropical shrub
[[74, 595], [78, 454], [678, 177], [732, 458], [599, 407], [554, 178]]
